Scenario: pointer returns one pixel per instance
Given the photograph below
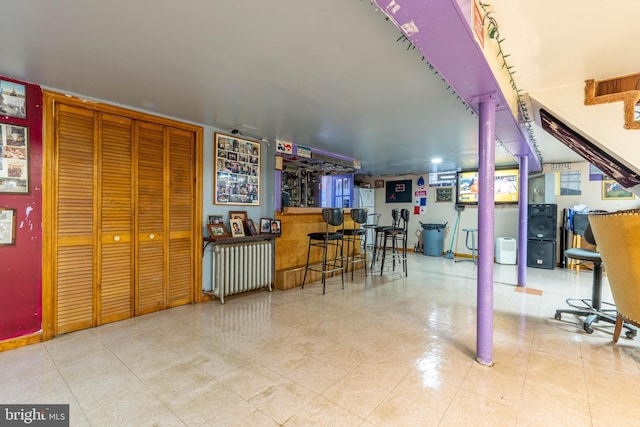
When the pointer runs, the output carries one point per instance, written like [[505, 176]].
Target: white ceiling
[[326, 74], [560, 43]]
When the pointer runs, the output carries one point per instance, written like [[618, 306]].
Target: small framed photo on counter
[[265, 225], [276, 227], [217, 230], [251, 228], [237, 228]]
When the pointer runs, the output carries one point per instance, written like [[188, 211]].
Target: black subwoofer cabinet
[[541, 235]]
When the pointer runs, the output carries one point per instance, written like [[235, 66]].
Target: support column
[[486, 210], [523, 208]]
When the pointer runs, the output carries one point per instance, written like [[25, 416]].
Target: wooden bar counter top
[[291, 246]]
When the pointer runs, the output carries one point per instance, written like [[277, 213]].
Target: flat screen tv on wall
[[506, 187]]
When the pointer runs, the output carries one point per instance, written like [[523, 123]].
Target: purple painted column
[[523, 206], [278, 190], [486, 210]]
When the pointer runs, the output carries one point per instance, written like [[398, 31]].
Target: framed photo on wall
[[611, 190], [14, 159], [444, 195], [13, 100], [236, 171], [398, 191], [7, 227]]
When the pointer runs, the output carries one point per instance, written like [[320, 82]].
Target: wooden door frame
[[50, 99]]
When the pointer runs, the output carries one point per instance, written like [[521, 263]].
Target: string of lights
[[492, 28], [494, 33]]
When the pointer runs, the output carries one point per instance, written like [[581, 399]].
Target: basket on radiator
[[242, 267]]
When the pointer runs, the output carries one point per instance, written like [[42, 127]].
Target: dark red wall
[[21, 265]]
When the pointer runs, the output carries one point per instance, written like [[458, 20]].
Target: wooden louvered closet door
[[181, 179], [150, 292], [123, 239], [115, 210], [74, 255], [94, 219]]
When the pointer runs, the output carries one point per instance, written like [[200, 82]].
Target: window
[[570, 183], [336, 191]]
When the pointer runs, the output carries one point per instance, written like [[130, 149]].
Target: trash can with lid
[[433, 239]]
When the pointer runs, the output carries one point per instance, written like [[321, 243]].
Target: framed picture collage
[[237, 171]]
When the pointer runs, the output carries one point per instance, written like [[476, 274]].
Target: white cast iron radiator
[[241, 267]]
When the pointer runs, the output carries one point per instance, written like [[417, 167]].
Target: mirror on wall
[[307, 182]]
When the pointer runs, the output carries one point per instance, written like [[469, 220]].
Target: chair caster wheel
[[588, 330], [630, 334], [558, 316]]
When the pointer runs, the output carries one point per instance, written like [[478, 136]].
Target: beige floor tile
[[321, 412], [356, 394], [468, 409], [382, 370], [283, 360], [122, 408], [317, 376], [557, 373], [242, 414], [430, 392], [611, 395], [249, 379], [198, 405], [282, 400], [488, 382], [544, 406], [400, 411]]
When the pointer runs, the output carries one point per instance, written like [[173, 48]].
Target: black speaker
[[541, 254], [542, 222]]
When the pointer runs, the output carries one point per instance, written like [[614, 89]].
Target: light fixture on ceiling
[[436, 160]]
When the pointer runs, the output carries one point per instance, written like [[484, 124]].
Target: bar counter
[[291, 247]]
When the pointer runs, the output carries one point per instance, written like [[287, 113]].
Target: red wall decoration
[[21, 264]]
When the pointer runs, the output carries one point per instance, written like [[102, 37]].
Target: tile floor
[[385, 351]]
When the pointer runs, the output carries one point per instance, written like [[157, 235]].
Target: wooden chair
[[618, 237]]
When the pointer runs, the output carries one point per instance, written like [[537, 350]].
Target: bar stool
[[350, 235], [378, 234], [323, 239], [471, 232], [397, 235], [370, 226]]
